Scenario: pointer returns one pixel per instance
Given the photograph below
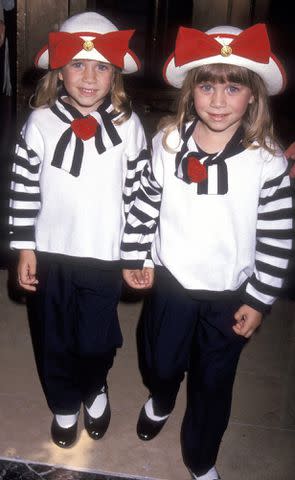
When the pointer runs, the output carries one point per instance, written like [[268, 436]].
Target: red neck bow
[[193, 45], [63, 46]]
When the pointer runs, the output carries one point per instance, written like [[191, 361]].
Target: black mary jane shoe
[[63, 437], [146, 428], [97, 427]]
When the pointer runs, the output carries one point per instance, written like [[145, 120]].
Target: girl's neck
[[209, 140]]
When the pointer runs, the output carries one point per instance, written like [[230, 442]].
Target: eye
[[104, 67], [232, 89], [205, 87], [77, 65]]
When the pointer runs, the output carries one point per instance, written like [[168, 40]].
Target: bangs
[[222, 73]]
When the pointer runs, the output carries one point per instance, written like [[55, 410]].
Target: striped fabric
[[142, 221], [275, 233], [135, 168], [25, 198], [274, 229]]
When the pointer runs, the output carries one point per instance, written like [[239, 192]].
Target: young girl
[[77, 167], [214, 207]]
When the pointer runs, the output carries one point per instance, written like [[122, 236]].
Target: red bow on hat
[[63, 46], [192, 45]]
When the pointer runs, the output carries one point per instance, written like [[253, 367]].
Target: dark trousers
[[74, 327], [179, 334]]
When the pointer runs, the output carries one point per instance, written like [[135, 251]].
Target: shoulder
[[134, 121], [36, 127], [38, 117], [168, 139], [132, 128], [274, 164]]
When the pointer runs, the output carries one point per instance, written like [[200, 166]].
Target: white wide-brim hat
[[87, 31], [248, 48]]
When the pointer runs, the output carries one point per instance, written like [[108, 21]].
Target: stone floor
[[258, 445], [16, 470]]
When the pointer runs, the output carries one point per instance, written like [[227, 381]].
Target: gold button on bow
[[88, 45], [226, 51]]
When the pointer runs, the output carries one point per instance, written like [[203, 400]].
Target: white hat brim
[[130, 64], [271, 73]]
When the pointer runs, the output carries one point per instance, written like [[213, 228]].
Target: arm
[[274, 239], [143, 217], [138, 157], [290, 155], [26, 270], [25, 198], [141, 222]]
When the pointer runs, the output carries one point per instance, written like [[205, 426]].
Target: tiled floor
[[17, 470], [258, 445]]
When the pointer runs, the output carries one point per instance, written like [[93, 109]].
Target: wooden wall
[[35, 18], [208, 13]]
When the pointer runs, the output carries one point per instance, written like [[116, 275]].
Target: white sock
[[150, 411], [98, 407], [210, 475], [66, 421]]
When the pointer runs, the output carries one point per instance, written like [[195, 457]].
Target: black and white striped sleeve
[[273, 243], [142, 221], [138, 156], [24, 201]]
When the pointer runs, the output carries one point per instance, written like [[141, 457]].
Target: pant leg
[[98, 331], [74, 327], [164, 338], [214, 358], [52, 311]]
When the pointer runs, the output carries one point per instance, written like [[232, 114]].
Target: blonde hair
[[257, 121], [49, 88]]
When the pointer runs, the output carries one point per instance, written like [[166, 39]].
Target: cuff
[[132, 264], [256, 304]]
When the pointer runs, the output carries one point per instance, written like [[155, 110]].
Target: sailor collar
[[99, 124], [193, 165]]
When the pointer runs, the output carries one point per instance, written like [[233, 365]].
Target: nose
[[89, 73], [218, 98]]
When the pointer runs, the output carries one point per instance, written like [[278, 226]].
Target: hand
[[26, 270], [247, 321], [2, 33], [290, 152], [139, 279]]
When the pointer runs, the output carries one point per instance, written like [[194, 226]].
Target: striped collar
[[99, 124], [192, 165]]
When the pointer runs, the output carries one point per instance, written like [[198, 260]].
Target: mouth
[[87, 91], [217, 117]]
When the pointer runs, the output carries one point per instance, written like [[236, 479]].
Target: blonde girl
[[214, 213], [76, 171]]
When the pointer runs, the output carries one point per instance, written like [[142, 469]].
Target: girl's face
[[221, 106], [87, 83]]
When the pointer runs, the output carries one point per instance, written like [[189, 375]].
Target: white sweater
[[80, 214], [236, 230]]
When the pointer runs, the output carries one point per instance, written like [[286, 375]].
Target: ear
[[251, 99], [60, 75]]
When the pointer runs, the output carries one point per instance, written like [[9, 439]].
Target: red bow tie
[[64, 46], [192, 45]]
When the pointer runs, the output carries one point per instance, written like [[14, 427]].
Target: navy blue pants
[[178, 334], [74, 328]]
